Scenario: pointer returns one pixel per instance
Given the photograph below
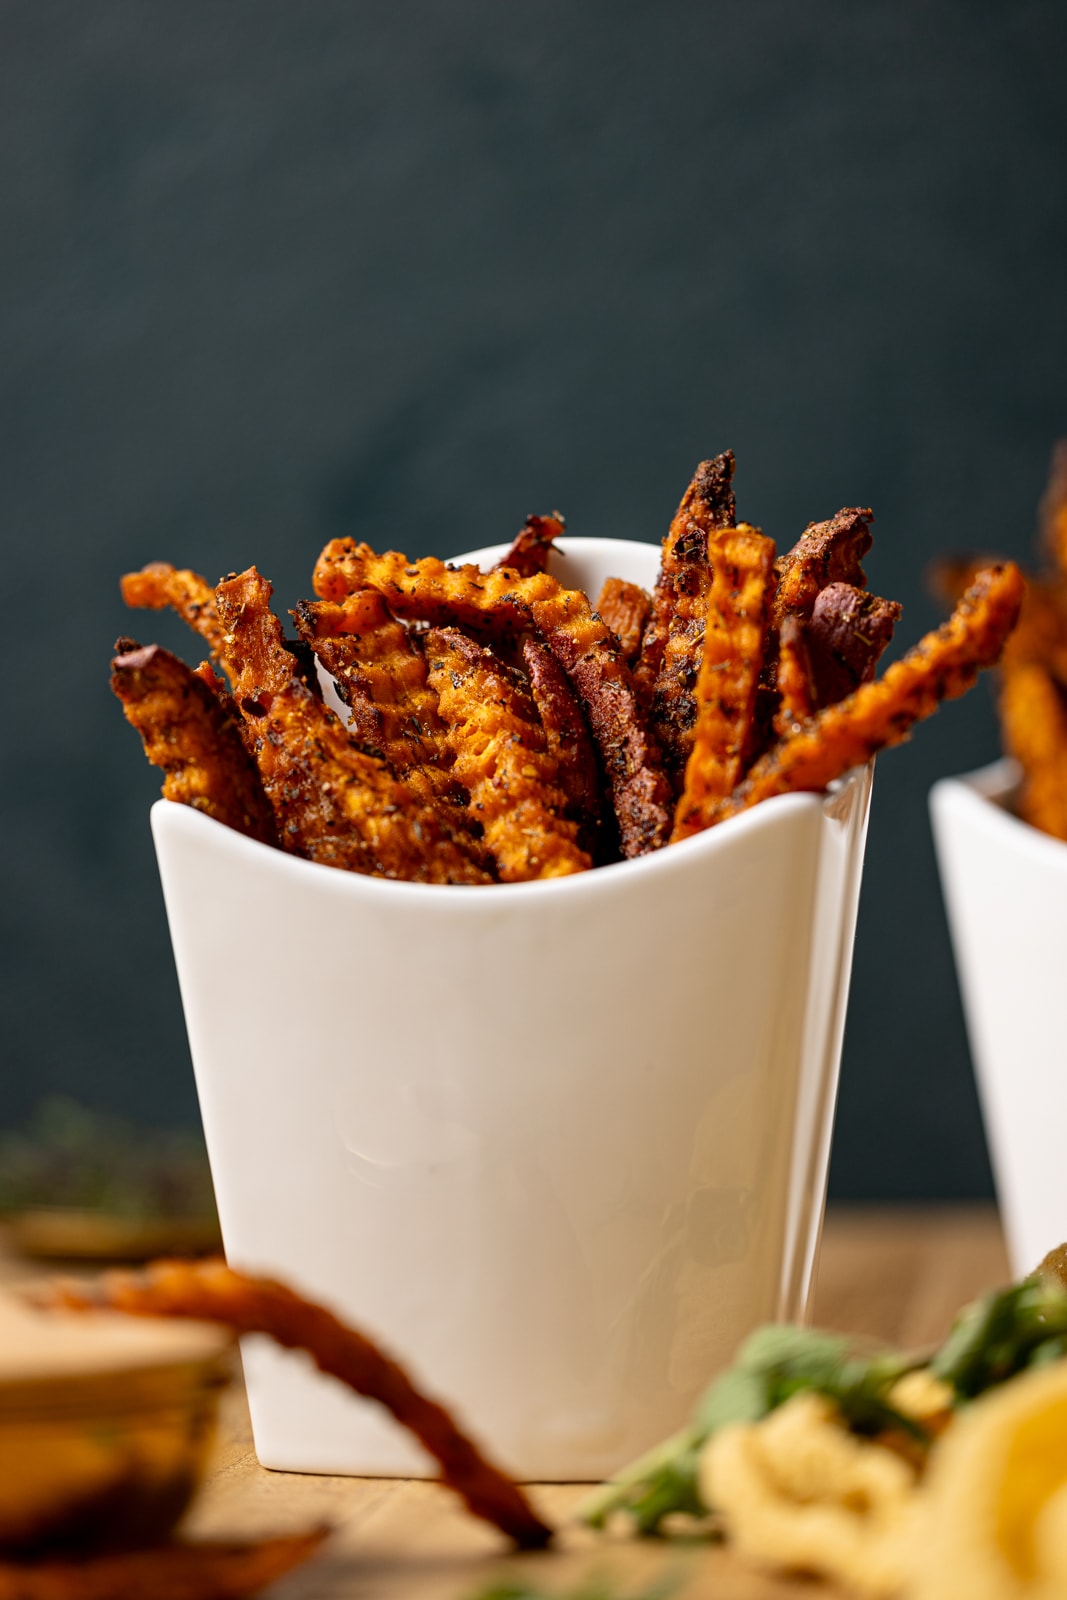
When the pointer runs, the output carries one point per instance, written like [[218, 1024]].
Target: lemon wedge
[[994, 1514]]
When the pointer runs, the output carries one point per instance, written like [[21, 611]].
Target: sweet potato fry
[[189, 732], [625, 607], [795, 683], [529, 553], [206, 1570], [826, 552], [159, 586], [1033, 716], [846, 634], [500, 604], [334, 803], [708, 503], [567, 740], [211, 1292], [741, 563], [380, 673], [877, 715], [1052, 513], [501, 758], [669, 661]]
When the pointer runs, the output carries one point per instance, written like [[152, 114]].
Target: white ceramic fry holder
[[558, 1145], [1005, 887]]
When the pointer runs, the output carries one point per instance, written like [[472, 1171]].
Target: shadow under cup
[[557, 1145]]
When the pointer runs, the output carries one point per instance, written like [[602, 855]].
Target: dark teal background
[[274, 272]]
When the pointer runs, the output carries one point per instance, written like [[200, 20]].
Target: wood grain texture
[[897, 1275]]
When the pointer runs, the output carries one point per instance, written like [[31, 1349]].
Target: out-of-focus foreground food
[[500, 728], [106, 1421], [1032, 678], [210, 1291], [936, 1476]]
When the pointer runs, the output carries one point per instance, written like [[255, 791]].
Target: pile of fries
[[1032, 691], [501, 728]]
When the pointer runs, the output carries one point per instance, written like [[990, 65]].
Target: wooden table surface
[[898, 1275]]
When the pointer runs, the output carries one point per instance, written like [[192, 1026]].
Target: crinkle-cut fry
[[159, 586], [380, 673], [625, 607], [826, 552], [877, 715], [1052, 513], [707, 503], [741, 563], [846, 634], [212, 1292], [567, 739], [502, 760], [669, 662], [795, 685], [503, 605], [189, 733], [204, 1570], [1033, 718], [529, 553], [1041, 632], [333, 803]]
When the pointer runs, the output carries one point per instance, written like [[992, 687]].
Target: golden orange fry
[[877, 715], [796, 690], [625, 607], [205, 1570], [1052, 514], [333, 803], [159, 586], [210, 1291], [529, 553], [1033, 717], [669, 661], [501, 758], [504, 605], [380, 673], [741, 563], [189, 732]]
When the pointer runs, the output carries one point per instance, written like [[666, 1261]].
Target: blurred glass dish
[[105, 1425]]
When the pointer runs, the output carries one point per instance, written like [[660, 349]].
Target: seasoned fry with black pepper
[[502, 759], [846, 634], [210, 1291], [334, 804], [826, 552], [498, 602], [530, 551], [740, 591], [878, 715], [380, 672], [795, 684], [625, 607], [567, 739], [190, 733], [159, 586], [669, 662]]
